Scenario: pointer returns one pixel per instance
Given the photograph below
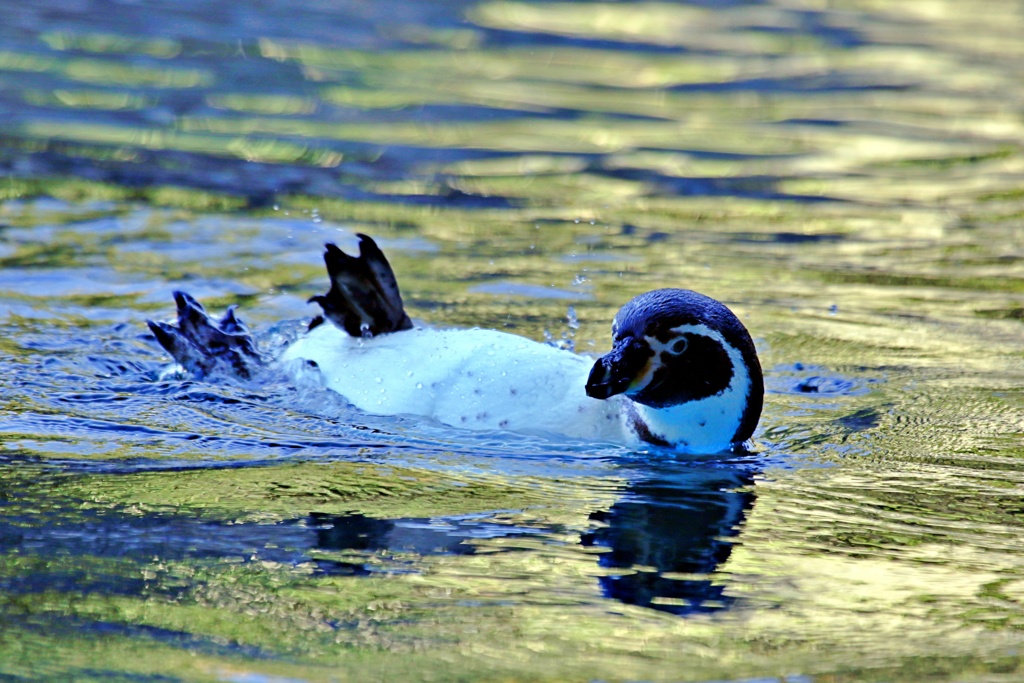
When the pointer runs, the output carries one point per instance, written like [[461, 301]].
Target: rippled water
[[847, 176]]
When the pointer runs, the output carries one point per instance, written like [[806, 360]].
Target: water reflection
[[669, 533], [665, 536], [531, 147], [391, 539]]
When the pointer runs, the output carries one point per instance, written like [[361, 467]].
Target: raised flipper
[[203, 345], [363, 299]]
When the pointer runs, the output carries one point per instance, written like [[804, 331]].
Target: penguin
[[682, 372]]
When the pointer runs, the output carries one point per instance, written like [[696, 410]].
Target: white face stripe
[[659, 347], [708, 424]]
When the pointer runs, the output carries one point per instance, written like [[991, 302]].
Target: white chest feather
[[475, 379]]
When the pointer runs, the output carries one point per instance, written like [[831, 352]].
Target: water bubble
[[566, 341], [419, 385], [572, 319]]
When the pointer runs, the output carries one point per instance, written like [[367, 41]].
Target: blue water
[[846, 178]]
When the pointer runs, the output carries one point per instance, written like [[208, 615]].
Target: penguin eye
[[678, 346]]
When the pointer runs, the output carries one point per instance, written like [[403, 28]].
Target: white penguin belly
[[475, 379]]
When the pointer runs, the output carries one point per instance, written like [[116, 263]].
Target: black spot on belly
[[482, 416], [513, 391], [503, 423]]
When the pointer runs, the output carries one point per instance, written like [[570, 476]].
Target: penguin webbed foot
[[204, 345], [364, 299]]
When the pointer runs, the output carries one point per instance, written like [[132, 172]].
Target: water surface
[[847, 177]]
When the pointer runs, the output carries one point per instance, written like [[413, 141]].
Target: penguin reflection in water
[[682, 372], [662, 540]]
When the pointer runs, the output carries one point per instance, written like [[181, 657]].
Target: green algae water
[[847, 176]]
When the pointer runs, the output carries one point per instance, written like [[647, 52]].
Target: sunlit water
[[847, 177]]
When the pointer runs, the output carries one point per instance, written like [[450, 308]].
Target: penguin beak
[[617, 371]]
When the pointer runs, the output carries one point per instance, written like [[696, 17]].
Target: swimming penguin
[[682, 372]]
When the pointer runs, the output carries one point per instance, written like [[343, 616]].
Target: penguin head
[[675, 347]]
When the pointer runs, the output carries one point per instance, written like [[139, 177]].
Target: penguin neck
[[706, 425]]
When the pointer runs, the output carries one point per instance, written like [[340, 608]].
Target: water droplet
[[419, 385], [380, 380]]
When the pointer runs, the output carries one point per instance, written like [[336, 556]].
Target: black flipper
[[363, 299], [203, 345]]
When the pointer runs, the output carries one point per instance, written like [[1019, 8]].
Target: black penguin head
[[672, 347]]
